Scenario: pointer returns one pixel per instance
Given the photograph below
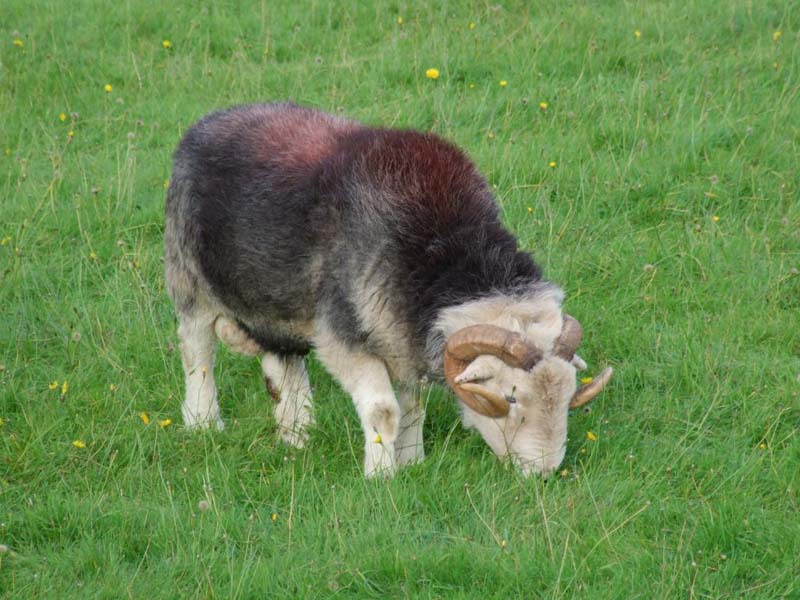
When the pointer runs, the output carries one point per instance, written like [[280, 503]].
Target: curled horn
[[567, 343], [465, 345]]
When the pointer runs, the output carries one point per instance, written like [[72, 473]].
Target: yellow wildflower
[[62, 117], [53, 385], [585, 380], [165, 422], [637, 34], [378, 438], [64, 388], [166, 183], [5, 240], [144, 417], [112, 387], [274, 517], [93, 256], [503, 83], [530, 209], [79, 444], [552, 164], [762, 446], [71, 133], [18, 43], [715, 218], [432, 73], [472, 25], [107, 87], [166, 44], [776, 35], [564, 472], [543, 105], [591, 436], [399, 20]]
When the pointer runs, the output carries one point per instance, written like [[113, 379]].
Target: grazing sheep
[[289, 229]]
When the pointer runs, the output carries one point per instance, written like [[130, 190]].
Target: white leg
[[287, 382], [412, 417], [198, 347], [365, 378]]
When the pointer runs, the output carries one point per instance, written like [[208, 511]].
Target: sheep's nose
[[546, 472]]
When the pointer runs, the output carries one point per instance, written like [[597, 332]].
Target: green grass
[[671, 218]]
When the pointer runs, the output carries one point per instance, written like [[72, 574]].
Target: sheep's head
[[517, 395]]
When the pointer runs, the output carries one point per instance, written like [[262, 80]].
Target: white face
[[534, 433]]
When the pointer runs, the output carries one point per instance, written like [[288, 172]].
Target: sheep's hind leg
[[198, 348], [287, 382], [285, 378]]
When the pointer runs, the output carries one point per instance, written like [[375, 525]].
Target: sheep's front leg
[[409, 441], [367, 381]]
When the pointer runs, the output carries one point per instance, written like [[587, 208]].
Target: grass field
[[646, 153]]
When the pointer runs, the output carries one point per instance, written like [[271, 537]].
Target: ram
[[289, 229]]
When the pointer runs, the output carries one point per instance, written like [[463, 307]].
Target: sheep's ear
[[578, 363], [477, 371]]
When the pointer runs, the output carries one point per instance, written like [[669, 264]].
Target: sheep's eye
[[510, 397]]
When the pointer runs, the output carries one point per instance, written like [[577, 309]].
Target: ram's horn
[[483, 400], [468, 343], [465, 345], [567, 343], [587, 392]]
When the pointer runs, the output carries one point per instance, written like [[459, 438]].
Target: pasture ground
[[646, 153]]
